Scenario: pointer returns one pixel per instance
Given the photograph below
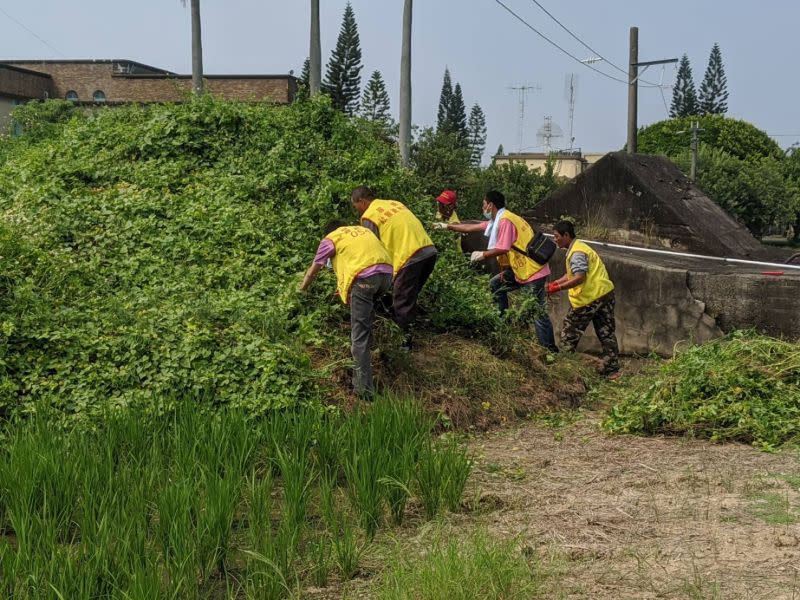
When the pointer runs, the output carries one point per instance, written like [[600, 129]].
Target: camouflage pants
[[601, 314]]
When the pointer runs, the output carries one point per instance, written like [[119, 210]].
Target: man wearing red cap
[[446, 206]]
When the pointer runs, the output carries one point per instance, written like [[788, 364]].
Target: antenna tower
[[522, 94], [570, 92]]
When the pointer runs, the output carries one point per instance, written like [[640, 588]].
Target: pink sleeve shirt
[[506, 236], [326, 251]]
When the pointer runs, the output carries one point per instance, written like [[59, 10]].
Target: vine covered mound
[[150, 254]]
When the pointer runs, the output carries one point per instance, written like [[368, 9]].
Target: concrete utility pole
[[695, 148], [633, 89], [633, 86], [315, 54], [405, 87], [197, 48]]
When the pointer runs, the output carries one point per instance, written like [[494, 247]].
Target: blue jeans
[[504, 282]]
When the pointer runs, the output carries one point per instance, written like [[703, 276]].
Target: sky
[[486, 49]]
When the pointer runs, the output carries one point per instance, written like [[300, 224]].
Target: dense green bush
[[153, 252], [755, 191], [737, 138], [744, 387]]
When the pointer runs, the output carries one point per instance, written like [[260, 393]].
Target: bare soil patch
[[629, 517]]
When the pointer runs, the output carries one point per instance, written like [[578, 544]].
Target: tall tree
[[458, 115], [343, 77], [303, 91], [405, 86], [197, 48], [315, 56], [445, 98], [477, 134], [684, 97], [500, 150], [375, 100], [714, 89]]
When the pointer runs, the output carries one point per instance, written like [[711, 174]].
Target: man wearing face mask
[[508, 235]]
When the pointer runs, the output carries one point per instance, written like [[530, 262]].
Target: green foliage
[[343, 77], [755, 191], [441, 160], [737, 138], [461, 569], [375, 100], [714, 89], [445, 98], [40, 120], [154, 251], [477, 134], [743, 387], [684, 96]]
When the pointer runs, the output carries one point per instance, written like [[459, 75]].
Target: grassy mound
[[743, 387], [152, 253]]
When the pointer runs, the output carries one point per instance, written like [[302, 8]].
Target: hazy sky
[[486, 49]]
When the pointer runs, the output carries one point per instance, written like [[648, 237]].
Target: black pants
[[407, 286]]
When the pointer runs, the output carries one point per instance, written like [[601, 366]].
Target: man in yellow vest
[[446, 207], [412, 251], [591, 297], [363, 271], [509, 235]]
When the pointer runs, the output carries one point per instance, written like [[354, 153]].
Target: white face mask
[[487, 214]]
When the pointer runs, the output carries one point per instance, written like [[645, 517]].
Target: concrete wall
[[564, 166], [661, 304]]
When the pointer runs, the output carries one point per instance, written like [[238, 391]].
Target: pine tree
[[343, 77], [477, 135], [684, 97], [375, 100], [303, 81], [457, 117], [500, 151], [444, 102], [714, 89]]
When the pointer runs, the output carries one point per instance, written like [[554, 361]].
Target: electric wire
[[45, 42], [589, 48]]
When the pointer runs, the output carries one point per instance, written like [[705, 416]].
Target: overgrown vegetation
[[744, 387], [193, 504], [152, 252]]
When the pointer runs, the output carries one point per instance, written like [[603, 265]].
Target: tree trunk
[[405, 87], [315, 54], [197, 50]]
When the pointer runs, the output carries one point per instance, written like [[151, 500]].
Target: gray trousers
[[363, 296]]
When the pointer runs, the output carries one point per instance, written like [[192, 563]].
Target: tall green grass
[[193, 503]]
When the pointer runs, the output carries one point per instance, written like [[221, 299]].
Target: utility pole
[[315, 54], [522, 91], [405, 87], [633, 86], [695, 148]]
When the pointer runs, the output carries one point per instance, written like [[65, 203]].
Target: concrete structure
[[664, 302], [645, 200], [122, 81], [567, 164]]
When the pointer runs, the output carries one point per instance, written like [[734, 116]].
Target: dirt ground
[[629, 517]]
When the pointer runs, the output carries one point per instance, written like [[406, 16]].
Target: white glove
[[440, 225], [476, 256]]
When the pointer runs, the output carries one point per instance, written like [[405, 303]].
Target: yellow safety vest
[[597, 283], [357, 249], [400, 231], [524, 268]]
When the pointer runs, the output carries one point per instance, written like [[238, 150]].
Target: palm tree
[[405, 87], [197, 49], [315, 55]]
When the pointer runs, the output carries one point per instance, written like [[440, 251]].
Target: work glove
[[553, 287], [476, 256], [440, 225]]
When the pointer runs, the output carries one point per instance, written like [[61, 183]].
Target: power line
[[45, 42], [588, 47], [552, 43]]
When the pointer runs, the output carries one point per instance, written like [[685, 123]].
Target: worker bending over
[[591, 297], [363, 274], [412, 251]]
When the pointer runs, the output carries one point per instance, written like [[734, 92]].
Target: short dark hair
[[362, 192], [496, 198], [565, 228], [332, 226]]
